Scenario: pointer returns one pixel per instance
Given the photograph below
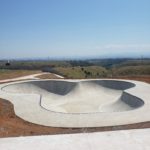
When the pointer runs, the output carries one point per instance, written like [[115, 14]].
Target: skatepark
[[79, 103]]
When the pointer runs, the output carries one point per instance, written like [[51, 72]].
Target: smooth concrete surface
[[114, 140], [79, 103]]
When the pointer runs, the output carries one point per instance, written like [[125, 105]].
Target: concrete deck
[[115, 140], [79, 103]]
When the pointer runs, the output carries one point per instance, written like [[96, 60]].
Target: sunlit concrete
[[79, 103], [115, 140]]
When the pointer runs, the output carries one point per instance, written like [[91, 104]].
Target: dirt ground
[[13, 126], [10, 74], [48, 76], [143, 78]]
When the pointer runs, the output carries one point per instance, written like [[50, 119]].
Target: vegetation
[[94, 68], [131, 70], [32, 65], [136, 62], [82, 72]]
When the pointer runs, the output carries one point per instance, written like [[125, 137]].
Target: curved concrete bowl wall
[[81, 97], [75, 99]]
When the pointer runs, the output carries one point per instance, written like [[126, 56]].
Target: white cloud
[[128, 46]]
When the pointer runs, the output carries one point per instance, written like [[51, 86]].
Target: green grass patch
[[82, 72]]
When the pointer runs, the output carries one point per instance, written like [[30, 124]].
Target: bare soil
[[143, 78], [10, 74], [13, 126], [48, 76]]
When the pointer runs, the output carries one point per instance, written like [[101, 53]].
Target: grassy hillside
[[32, 65], [96, 68], [82, 72], [131, 70], [137, 62]]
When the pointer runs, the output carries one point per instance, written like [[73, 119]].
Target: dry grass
[[10, 74], [82, 72], [48, 76], [142, 78]]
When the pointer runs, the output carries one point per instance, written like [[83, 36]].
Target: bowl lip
[[66, 80], [5, 85]]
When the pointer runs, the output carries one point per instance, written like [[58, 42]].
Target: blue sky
[[74, 28]]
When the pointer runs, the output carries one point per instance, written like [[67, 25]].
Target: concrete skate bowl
[[79, 103], [92, 96]]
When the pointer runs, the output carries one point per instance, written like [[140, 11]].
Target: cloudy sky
[[74, 28]]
